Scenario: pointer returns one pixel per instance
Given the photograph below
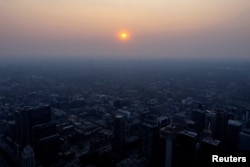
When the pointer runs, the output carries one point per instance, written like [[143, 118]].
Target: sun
[[124, 35]]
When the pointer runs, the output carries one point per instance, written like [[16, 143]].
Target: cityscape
[[124, 83], [123, 113]]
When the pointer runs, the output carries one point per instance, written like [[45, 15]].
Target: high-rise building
[[28, 157], [198, 117], [233, 131], [119, 134], [208, 147], [47, 149], [244, 141], [34, 128], [149, 142], [45, 141], [28, 117], [162, 121], [220, 129], [186, 148], [179, 120], [169, 134], [210, 122]]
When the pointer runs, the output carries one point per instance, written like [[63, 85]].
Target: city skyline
[[157, 29]]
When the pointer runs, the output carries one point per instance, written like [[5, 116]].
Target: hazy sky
[[157, 28]]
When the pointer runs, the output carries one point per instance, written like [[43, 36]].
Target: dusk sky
[[151, 28]]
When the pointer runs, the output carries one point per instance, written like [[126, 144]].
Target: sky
[[156, 29]]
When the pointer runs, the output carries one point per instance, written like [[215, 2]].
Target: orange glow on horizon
[[123, 35]]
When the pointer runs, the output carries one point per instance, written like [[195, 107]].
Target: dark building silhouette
[[28, 117], [45, 141], [233, 131], [169, 135], [179, 120], [186, 148], [119, 134], [244, 140], [28, 159], [210, 122], [198, 117], [34, 128], [163, 121], [220, 125], [150, 143], [47, 150], [208, 147]]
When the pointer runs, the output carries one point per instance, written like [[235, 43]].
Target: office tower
[[233, 130], [28, 157], [186, 148], [12, 130], [34, 128], [246, 120], [125, 113], [197, 105], [45, 141], [220, 129], [198, 117], [28, 117], [208, 147], [149, 142], [48, 149], [23, 126], [244, 141], [210, 122], [169, 135], [119, 135], [179, 120], [162, 121]]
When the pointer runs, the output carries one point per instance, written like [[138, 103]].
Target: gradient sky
[[158, 28]]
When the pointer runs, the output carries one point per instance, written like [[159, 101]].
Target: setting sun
[[123, 35]]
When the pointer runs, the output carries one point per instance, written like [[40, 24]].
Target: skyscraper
[[186, 148], [150, 142], [119, 134], [45, 142], [169, 134], [244, 141], [28, 117], [208, 147], [199, 118], [233, 131], [28, 157], [220, 125]]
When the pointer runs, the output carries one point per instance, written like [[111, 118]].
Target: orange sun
[[124, 35]]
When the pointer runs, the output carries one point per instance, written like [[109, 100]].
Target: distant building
[[124, 113], [179, 120], [163, 121]]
